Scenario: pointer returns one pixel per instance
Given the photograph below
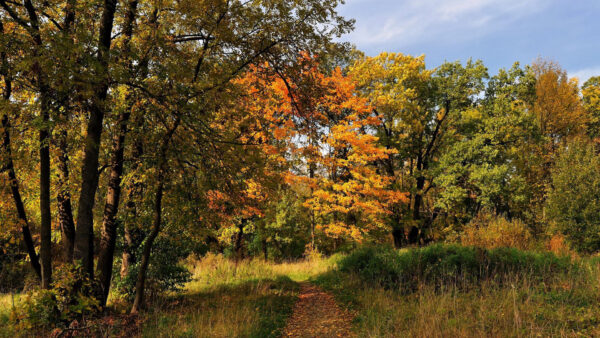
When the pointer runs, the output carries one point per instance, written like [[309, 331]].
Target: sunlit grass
[[249, 298], [7, 302], [565, 306]]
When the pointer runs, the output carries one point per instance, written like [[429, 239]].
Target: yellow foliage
[[493, 232]]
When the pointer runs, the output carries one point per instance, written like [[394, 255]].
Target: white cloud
[[584, 74], [410, 21]]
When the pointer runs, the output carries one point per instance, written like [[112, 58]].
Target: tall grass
[[450, 291], [7, 303], [216, 270], [249, 298]]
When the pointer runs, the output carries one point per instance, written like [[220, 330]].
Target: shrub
[[70, 298], [443, 264], [164, 274], [495, 232]]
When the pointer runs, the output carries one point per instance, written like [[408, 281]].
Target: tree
[[417, 108], [591, 105], [557, 107], [483, 170], [573, 201]]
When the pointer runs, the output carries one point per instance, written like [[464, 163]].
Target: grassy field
[[564, 305], [254, 298]]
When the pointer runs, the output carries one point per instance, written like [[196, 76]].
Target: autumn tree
[[418, 108]]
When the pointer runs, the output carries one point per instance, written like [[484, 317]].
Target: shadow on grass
[[566, 305], [255, 308]]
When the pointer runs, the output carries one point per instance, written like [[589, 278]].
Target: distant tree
[[574, 198], [591, 104], [418, 109]]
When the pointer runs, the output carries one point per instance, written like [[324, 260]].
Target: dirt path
[[316, 314]]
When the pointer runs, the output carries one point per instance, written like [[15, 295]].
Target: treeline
[[140, 132], [109, 111]]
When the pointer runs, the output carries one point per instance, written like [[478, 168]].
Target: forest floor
[[316, 314], [313, 298]]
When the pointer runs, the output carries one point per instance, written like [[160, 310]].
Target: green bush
[[70, 298], [164, 273], [443, 264]]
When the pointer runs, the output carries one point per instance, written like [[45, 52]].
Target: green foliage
[[70, 298], [574, 200], [482, 168], [443, 265], [165, 273], [286, 227]]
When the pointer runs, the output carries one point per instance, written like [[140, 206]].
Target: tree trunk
[[138, 303], [46, 217], [399, 237], [113, 195], [128, 258], [84, 234], [132, 234], [14, 187], [239, 252], [45, 271], [63, 199], [413, 235]]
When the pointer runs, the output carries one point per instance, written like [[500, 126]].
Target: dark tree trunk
[[44, 90], [44, 139], [63, 199], [14, 188], [413, 234], [399, 237], [238, 246], [84, 234], [46, 225], [113, 196], [132, 234], [138, 303]]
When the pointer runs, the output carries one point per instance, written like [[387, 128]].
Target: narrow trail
[[316, 314]]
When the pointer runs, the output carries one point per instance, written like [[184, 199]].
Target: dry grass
[[250, 298], [566, 307]]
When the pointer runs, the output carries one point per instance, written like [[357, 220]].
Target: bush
[[70, 298], [443, 264], [164, 274], [495, 232]]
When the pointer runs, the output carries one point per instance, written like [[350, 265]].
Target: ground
[[316, 314]]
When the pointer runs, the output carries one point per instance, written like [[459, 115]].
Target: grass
[[514, 294], [7, 302], [519, 304], [251, 298]]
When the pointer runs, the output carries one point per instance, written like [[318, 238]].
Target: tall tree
[[8, 164], [417, 108]]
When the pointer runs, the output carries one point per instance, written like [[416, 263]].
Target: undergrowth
[[455, 291]]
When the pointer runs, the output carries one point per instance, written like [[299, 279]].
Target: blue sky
[[499, 32]]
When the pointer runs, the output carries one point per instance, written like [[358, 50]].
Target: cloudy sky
[[499, 32]]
